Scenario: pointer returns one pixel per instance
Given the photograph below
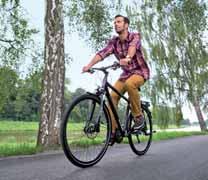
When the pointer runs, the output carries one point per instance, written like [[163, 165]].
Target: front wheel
[[85, 131], [140, 142]]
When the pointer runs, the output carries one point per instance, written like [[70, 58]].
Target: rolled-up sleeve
[[106, 51], [135, 40]]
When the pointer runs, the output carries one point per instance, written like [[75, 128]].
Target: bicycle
[[86, 126]]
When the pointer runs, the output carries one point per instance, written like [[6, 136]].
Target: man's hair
[[126, 20]]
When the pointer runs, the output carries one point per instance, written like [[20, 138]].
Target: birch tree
[[53, 78]]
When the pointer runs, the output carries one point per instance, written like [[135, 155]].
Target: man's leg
[[119, 85], [131, 85]]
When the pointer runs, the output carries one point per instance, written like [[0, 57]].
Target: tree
[[94, 18], [8, 82], [15, 33], [8, 89], [173, 31], [27, 100], [20, 98], [15, 43], [52, 97], [53, 80]]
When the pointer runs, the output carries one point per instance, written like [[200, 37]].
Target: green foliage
[[20, 98], [15, 34], [92, 19], [164, 115], [23, 99], [28, 97], [5, 2], [8, 82], [173, 32]]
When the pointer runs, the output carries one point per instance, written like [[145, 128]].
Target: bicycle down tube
[[112, 106]]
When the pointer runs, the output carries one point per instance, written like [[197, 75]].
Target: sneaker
[[139, 123]]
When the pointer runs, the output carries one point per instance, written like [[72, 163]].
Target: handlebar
[[114, 66]]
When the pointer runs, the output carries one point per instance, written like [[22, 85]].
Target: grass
[[165, 135], [19, 138], [17, 149], [18, 125]]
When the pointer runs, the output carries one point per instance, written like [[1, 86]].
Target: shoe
[[139, 123]]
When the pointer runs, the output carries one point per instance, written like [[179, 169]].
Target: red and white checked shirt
[[138, 64]]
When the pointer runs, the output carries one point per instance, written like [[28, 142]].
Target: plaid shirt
[[120, 50]]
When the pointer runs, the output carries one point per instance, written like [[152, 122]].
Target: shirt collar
[[126, 40]]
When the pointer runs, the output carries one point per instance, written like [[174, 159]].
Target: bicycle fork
[[94, 126]]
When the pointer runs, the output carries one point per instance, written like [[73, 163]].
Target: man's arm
[[133, 45], [100, 55], [94, 61], [131, 51]]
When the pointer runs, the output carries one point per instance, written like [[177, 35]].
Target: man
[[127, 49]]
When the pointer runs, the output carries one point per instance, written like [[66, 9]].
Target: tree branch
[[7, 41], [14, 7]]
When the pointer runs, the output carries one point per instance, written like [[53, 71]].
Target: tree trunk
[[199, 115], [54, 73]]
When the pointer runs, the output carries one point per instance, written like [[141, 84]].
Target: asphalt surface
[[178, 159]]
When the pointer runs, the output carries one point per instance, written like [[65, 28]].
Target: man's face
[[120, 25]]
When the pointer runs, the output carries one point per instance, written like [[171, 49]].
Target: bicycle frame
[[104, 92]]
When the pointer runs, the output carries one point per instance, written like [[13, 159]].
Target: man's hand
[[86, 68], [124, 61]]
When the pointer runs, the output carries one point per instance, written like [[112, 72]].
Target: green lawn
[[18, 125], [18, 138]]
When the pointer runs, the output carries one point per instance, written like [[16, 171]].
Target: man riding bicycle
[[127, 49]]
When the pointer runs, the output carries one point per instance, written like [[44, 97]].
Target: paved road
[[179, 159]]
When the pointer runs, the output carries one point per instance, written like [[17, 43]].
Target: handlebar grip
[[91, 71], [116, 65]]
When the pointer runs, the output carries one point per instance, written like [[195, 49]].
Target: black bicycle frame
[[105, 92]]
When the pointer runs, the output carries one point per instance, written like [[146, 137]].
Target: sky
[[81, 55]]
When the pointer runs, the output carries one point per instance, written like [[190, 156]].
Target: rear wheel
[[140, 142], [85, 131]]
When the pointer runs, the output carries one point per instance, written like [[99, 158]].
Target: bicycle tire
[[66, 127], [141, 141]]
